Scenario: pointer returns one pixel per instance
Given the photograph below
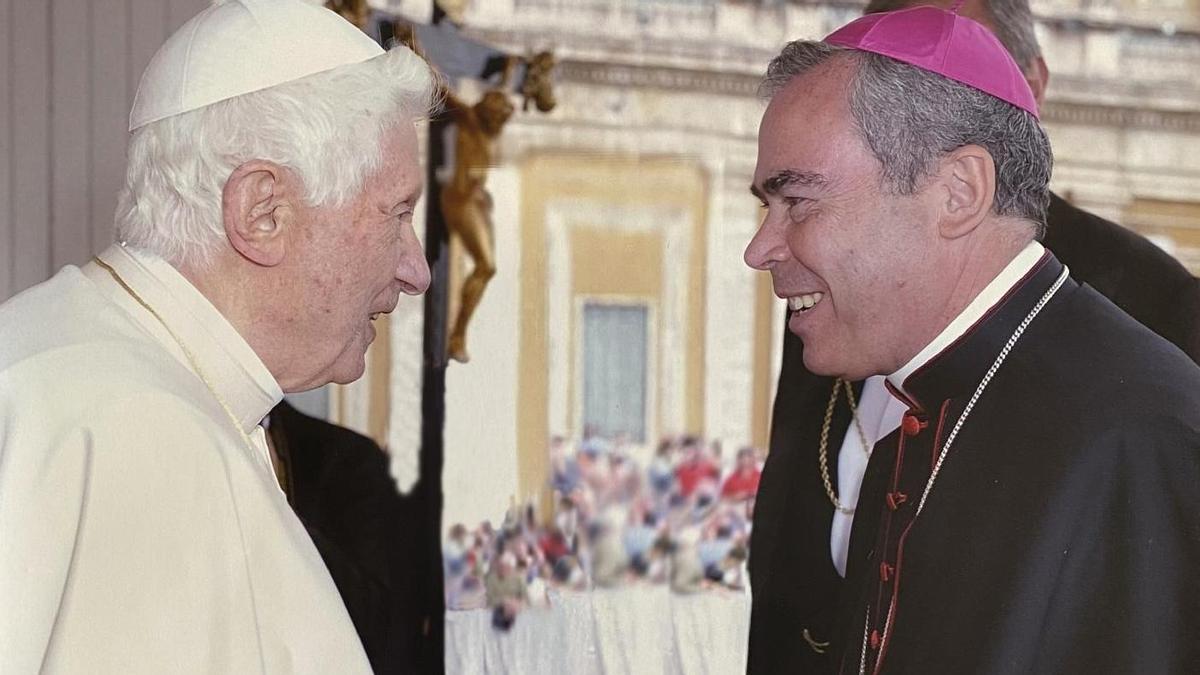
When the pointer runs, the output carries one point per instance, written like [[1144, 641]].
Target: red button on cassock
[[910, 425], [895, 499], [885, 572]]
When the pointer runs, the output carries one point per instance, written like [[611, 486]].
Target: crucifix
[[465, 202], [460, 208]]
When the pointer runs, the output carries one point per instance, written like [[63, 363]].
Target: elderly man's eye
[[797, 207]]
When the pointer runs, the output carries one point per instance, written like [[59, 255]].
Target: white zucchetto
[[236, 47]]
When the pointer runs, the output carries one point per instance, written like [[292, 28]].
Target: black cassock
[[339, 485], [796, 587], [1062, 533]]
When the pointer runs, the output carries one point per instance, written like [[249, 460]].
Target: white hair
[[326, 127]]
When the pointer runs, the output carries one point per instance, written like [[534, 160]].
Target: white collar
[[991, 294], [235, 372]]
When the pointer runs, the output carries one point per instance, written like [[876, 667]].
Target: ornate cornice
[[658, 77], [1121, 117], [607, 48], [740, 84]]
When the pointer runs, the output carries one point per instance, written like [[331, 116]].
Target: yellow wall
[[605, 261], [1180, 221]]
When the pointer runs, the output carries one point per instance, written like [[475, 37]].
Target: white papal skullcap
[[235, 47]]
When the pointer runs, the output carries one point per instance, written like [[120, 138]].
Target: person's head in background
[[1010, 20], [747, 459]]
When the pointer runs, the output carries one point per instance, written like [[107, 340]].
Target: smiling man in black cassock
[[1039, 508], [806, 501]]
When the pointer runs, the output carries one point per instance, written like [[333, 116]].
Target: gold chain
[[816, 646], [823, 450], [186, 352]]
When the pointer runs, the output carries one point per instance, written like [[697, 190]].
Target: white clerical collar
[[1016, 269], [235, 372]]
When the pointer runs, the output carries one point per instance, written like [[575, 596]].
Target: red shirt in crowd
[[691, 474], [741, 484]]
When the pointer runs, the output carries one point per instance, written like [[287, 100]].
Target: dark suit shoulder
[[343, 493], [334, 471], [1138, 276], [1093, 246], [1101, 364], [309, 430]]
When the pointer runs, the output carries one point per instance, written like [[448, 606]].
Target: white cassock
[[141, 528]]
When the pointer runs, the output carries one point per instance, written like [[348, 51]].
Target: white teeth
[[800, 303]]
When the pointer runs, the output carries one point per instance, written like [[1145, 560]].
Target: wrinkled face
[[848, 256], [354, 262]]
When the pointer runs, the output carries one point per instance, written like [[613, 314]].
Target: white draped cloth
[[141, 526], [639, 630]]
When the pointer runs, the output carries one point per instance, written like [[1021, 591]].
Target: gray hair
[[326, 127], [1012, 22], [911, 118]]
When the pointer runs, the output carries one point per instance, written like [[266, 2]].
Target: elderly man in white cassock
[[265, 222]]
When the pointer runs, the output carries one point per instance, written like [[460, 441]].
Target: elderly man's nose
[[413, 272]]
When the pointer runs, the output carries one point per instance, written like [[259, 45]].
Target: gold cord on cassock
[[823, 449], [191, 358], [818, 647]]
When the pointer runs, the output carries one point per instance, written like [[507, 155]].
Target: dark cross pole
[[455, 56]]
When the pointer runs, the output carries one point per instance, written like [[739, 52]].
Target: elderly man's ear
[[965, 190], [257, 206]]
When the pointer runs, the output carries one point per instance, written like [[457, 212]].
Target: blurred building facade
[[634, 193]]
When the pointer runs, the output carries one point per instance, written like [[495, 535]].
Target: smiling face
[[855, 262], [352, 263]]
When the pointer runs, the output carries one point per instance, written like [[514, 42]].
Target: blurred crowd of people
[[682, 520]]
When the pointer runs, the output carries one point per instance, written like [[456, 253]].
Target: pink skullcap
[[941, 42]]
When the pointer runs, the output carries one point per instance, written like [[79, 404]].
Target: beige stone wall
[[653, 84]]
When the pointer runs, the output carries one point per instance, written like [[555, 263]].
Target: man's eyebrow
[[781, 179], [409, 199]]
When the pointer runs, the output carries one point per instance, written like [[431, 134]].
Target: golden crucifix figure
[[465, 201], [466, 204]]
